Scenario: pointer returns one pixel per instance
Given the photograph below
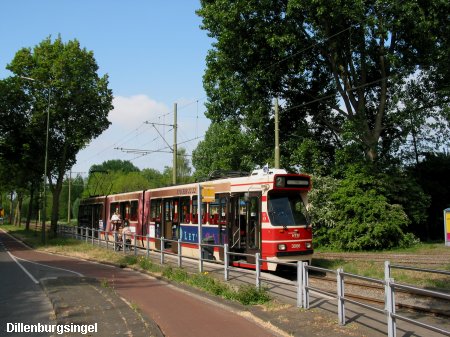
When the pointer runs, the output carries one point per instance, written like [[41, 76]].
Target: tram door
[[244, 225]]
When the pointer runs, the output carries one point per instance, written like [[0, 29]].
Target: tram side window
[[223, 211], [126, 210], [168, 210], [214, 212], [155, 210], [242, 214], [113, 208], [253, 225], [195, 210], [184, 209], [134, 211]]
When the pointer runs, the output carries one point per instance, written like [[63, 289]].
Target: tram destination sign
[[292, 181]]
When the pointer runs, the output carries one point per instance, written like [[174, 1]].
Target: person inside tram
[[115, 221]]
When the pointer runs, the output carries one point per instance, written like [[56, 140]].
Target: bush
[[353, 214]]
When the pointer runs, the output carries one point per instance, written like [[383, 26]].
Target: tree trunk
[[10, 218], [18, 212], [30, 207], [56, 191]]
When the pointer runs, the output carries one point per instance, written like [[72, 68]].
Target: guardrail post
[[299, 285], [389, 296], [148, 246], [258, 270], [162, 249], [305, 290], [390, 307], [135, 247], [225, 261], [387, 270], [340, 296], [179, 253], [92, 235], [200, 258], [124, 242], [86, 233]]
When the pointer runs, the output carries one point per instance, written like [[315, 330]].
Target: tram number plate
[[296, 246]]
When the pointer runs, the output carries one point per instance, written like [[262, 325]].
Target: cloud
[[134, 110]]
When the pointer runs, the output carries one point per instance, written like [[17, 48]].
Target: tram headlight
[[308, 245], [281, 246]]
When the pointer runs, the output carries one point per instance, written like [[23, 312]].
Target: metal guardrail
[[303, 288]]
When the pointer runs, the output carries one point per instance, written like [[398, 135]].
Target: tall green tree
[[155, 178], [337, 67], [76, 187], [103, 177], [115, 165], [225, 147], [78, 100], [20, 165]]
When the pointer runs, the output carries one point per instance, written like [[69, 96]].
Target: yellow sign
[[447, 227], [208, 194]]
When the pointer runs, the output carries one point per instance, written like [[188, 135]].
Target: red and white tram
[[264, 212]]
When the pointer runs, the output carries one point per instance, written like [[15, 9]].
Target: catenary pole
[[174, 170], [277, 137]]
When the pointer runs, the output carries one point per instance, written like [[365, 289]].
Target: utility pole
[[68, 201], [175, 164], [277, 137], [173, 149]]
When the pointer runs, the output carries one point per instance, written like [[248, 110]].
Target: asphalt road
[[21, 298]]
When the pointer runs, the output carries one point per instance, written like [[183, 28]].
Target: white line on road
[[23, 268], [15, 258], [46, 265]]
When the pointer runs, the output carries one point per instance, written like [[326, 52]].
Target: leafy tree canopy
[[225, 147], [337, 66], [115, 165], [62, 84]]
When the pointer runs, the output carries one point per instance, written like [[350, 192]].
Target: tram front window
[[286, 210]]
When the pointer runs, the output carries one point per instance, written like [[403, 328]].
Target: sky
[[154, 54]]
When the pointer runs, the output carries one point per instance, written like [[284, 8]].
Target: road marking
[[23, 268], [46, 265], [15, 258]]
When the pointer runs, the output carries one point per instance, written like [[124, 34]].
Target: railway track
[[373, 294], [410, 259]]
